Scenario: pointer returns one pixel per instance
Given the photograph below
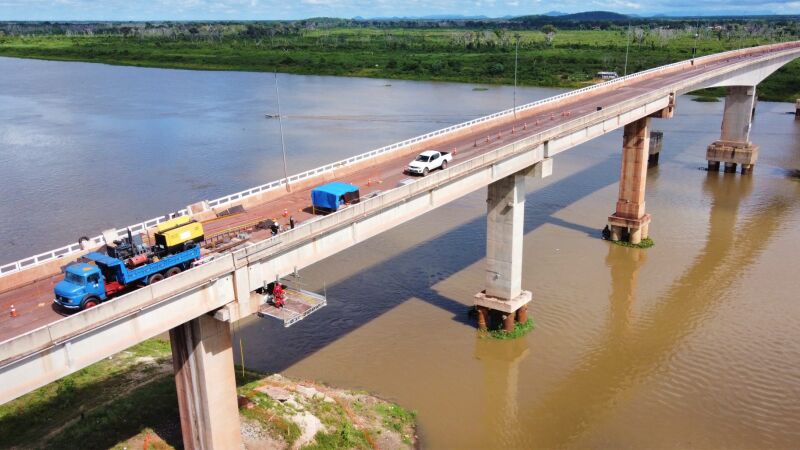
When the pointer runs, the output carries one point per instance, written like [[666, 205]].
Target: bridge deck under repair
[[484, 153]]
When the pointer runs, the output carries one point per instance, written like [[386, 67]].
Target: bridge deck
[[33, 302]]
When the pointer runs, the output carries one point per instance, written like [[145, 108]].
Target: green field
[[564, 58]]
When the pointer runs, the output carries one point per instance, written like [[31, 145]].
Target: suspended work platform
[[298, 304]]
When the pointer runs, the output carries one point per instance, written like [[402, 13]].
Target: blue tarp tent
[[331, 195]]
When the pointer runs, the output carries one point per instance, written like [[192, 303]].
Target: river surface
[[690, 344]]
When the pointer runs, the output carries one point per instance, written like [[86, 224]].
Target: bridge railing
[[138, 228]]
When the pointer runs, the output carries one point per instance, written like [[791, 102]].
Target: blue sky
[[298, 9]]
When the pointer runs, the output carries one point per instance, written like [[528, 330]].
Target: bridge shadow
[[379, 288], [89, 411]]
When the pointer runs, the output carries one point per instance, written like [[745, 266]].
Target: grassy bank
[[129, 401], [560, 58], [99, 406]]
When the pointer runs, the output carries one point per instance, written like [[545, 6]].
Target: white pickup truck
[[427, 161]]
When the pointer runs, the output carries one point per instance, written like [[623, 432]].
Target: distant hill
[[554, 13], [594, 15], [430, 17], [590, 17]]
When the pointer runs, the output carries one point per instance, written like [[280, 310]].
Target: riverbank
[[129, 401], [566, 58]]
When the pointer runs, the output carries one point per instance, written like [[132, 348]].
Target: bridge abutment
[[202, 356], [734, 146], [629, 221], [504, 242]]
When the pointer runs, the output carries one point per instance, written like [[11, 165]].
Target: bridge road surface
[[34, 302]]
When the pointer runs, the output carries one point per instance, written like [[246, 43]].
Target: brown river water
[[690, 344]]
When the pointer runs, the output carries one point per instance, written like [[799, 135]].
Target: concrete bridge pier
[[654, 149], [203, 360], [504, 233], [629, 222], [734, 146]]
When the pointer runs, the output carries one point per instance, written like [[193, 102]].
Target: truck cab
[[82, 287]]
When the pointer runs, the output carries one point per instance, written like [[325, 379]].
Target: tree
[[549, 28]]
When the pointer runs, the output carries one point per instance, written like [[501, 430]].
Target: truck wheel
[[90, 302], [172, 271], [155, 278], [444, 165], [425, 172]]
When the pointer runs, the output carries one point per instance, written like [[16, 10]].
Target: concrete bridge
[[503, 151]]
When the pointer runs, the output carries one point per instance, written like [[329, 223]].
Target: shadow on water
[[370, 293], [625, 357]]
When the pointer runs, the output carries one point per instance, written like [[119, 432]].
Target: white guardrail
[[139, 228]]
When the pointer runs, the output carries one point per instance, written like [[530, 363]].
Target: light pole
[[627, 48], [280, 125], [516, 61]]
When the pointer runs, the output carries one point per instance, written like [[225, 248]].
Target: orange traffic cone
[[13, 311], [285, 212]]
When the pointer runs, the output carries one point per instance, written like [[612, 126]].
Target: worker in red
[[278, 296]]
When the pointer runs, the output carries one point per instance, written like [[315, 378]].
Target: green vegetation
[[351, 420], [520, 329], [646, 243], [129, 401], [395, 417], [97, 406], [709, 95], [567, 54]]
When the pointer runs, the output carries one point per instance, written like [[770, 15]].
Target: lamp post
[[280, 125], [627, 48], [516, 61]]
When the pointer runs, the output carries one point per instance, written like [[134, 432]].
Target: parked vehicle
[[427, 161], [329, 197], [129, 264]]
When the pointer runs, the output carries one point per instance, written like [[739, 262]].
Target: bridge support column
[[629, 222], [203, 360], [504, 234], [734, 146], [654, 149]]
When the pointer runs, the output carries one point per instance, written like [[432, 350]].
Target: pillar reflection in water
[[624, 264], [499, 393]]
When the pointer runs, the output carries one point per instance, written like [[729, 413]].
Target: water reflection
[[630, 353], [624, 264], [500, 361]]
